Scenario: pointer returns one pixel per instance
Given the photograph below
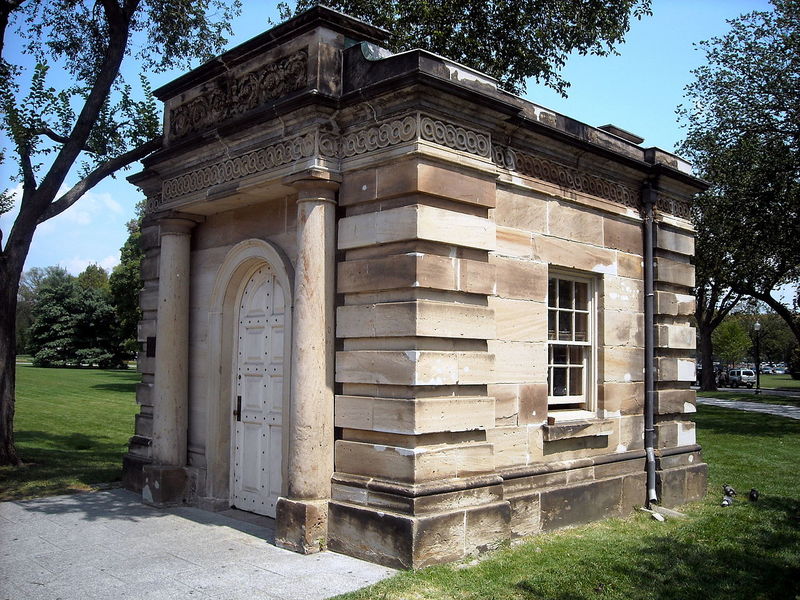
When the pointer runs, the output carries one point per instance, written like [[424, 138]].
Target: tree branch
[[56, 137], [93, 178], [107, 73]]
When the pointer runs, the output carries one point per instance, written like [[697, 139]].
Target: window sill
[[577, 429]]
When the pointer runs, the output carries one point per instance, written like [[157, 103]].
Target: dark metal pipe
[[649, 195]]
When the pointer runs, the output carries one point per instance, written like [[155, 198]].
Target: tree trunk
[[708, 379], [10, 274]]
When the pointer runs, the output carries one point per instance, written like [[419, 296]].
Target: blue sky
[[637, 90]]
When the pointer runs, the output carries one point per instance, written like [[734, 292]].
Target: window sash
[[571, 339]]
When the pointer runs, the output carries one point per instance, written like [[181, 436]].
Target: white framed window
[[571, 345]]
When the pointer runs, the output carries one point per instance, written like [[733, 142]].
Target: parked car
[[766, 370], [739, 377]]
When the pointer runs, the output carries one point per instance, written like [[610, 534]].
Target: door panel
[[259, 383]]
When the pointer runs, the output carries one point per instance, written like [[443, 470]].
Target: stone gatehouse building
[[403, 312]]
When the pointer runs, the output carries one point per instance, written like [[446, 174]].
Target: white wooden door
[[259, 394]]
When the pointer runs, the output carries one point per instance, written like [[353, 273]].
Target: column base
[[164, 485], [302, 525], [133, 472]]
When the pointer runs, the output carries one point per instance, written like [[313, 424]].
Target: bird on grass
[[753, 495], [728, 490]]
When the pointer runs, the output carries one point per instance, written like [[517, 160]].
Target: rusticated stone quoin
[[400, 311]]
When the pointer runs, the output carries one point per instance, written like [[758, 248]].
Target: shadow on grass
[[123, 388], [738, 422], [60, 463]]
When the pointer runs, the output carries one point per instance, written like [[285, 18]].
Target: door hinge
[[238, 412]]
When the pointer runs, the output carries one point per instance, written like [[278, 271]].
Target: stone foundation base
[[403, 532], [132, 472], [301, 525], [164, 485], [412, 542]]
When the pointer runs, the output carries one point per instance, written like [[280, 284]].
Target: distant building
[[402, 311]]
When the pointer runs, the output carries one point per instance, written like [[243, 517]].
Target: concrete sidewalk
[[781, 410], [109, 545]]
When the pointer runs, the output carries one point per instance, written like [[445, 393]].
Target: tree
[[94, 277], [31, 284], [714, 300], [743, 136], [731, 342], [125, 283], [92, 127], [52, 332], [511, 40], [74, 325]]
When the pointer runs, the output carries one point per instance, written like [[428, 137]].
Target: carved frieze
[[251, 163], [455, 137], [230, 96], [154, 203], [402, 130], [674, 206], [564, 176]]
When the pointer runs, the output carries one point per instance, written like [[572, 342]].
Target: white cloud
[[84, 212], [76, 264]]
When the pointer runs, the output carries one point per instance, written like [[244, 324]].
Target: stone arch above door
[[241, 261]]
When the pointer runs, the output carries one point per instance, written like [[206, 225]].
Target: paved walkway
[[781, 410], [108, 545]]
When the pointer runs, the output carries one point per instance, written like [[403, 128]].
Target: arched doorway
[[252, 300]]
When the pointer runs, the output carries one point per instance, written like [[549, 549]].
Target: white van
[[737, 377]]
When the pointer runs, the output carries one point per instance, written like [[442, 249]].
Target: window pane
[[576, 355], [564, 294], [581, 295], [559, 375], [559, 356], [565, 325], [575, 381], [581, 327], [551, 291], [552, 315]]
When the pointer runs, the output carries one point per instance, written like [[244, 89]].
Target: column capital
[[177, 223], [314, 184]]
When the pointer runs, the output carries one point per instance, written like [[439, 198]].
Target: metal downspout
[[649, 194]]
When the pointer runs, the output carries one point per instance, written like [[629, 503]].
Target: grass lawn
[[71, 429], [780, 382], [747, 551], [749, 396]]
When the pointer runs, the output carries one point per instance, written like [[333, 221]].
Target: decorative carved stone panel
[[230, 96]]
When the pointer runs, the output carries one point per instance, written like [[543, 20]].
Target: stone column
[[302, 516], [165, 479]]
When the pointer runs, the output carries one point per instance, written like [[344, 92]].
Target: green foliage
[[125, 283], [731, 342], [93, 277], [73, 324], [31, 284], [52, 332], [743, 136], [72, 429], [511, 40]]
